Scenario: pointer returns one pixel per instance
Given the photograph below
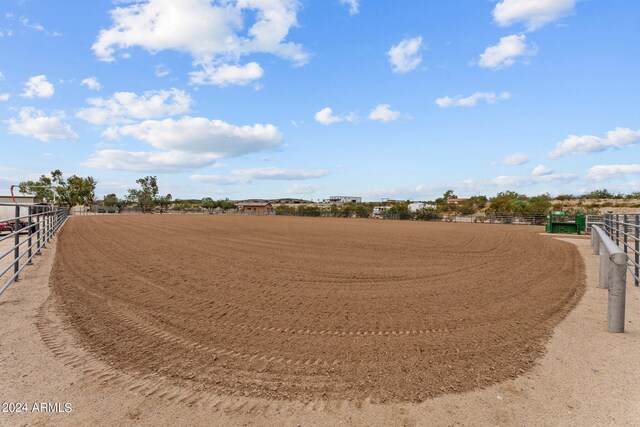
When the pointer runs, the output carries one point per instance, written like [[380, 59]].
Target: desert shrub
[[309, 211], [285, 210], [428, 214]]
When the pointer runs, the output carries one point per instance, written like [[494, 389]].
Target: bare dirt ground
[[301, 308], [587, 375]]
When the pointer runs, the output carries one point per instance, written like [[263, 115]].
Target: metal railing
[[24, 231], [613, 276], [523, 219], [591, 220], [624, 230]]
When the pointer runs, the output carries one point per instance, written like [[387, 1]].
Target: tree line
[[67, 192], [76, 190]]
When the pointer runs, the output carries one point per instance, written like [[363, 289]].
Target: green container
[[557, 223]]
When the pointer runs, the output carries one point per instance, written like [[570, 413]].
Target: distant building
[[416, 206], [344, 199], [254, 207]]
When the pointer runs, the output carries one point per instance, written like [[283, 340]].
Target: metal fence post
[[49, 223], [39, 222], [637, 253], [617, 296], [617, 229], [16, 251], [604, 267], [45, 220], [624, 232], [30, 232]]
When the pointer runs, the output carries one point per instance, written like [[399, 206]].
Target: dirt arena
[[303, 308]]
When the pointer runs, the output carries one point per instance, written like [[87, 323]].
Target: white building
[[416, 206], [344, 199]]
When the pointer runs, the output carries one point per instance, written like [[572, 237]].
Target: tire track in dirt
[[332, 309]]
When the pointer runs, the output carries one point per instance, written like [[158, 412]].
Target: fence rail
[[592, 220], [24, 231], [624, 231], [613, 276]]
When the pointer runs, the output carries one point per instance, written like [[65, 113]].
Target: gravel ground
[[586, 377]]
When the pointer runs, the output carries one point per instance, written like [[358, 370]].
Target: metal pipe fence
[[591, 220], [613, 276], [24, 231], [525, 219], [624, 231]]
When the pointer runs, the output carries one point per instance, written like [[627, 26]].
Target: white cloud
[[247, 176], [405, 56], [145, 161], [505, 53], [533, 13], [574, 144], [541, 170], [384, 113], [480, 186], [4, 96], [201, 135], [326, 117], [523, 181], [92, 83], [514, 159], [225, 75], [183, 144], [124, 106], [1, 76], [161, 70], [33, 25], [354, 6], [34, 123], [471, 101], [213, 33], [38, 87], [605, 172]]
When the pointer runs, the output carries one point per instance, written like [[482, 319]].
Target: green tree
[[225, 204], [112, 200], [465, 208], [428, 214], [362, 210], [400, 210], [634, 195], [508, 202], [308, 210], [41, 189], [208, 203], [599, 194], [164, 202], [479, 202], [146, 196], [69, 192], [539, 204], [449, 194]]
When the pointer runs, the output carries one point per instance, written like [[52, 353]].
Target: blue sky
[[312, 98]]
